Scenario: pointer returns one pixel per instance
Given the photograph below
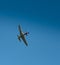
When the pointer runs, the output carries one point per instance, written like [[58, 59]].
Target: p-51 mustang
[[22, 35]]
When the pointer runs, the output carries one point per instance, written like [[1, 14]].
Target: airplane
[[22, 35]]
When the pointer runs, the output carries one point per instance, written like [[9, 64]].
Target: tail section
[[26, 33]]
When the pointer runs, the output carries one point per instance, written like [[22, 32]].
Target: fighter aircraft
[[22, 35]]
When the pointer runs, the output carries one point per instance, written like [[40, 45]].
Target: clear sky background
[[39, 17]]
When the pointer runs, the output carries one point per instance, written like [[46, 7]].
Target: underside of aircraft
[[22, 35]]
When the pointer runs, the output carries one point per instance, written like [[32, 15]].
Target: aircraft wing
[[23, 38], [19, 28]]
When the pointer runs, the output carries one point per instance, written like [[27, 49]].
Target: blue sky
[[39, 17]]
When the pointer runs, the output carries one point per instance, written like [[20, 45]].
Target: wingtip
[[19, 25], [26, 44]]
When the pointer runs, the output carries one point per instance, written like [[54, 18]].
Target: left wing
[[23, 38], [19, 28]]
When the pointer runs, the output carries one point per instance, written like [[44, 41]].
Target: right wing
[[23, 38]]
